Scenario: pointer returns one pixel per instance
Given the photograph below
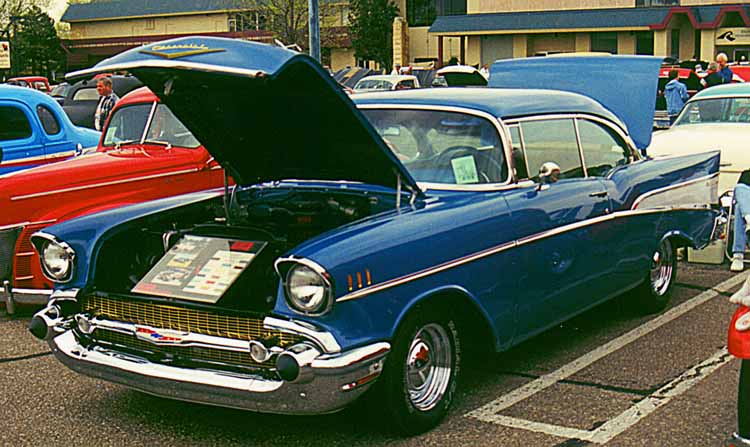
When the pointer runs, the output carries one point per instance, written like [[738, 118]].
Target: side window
[[13, 124], [552, 140], [48, 119], [603, 149], [86, 94], [516, 153]]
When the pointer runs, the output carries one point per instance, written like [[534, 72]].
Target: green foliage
[[35, 47], [371, 30]]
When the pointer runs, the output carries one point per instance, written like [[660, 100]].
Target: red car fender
[[738, 341]]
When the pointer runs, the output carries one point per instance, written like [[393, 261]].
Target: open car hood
[[626, 85], [264, 112]]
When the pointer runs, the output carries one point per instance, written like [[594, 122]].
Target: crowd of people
[[676, 93]]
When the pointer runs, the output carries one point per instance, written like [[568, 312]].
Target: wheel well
[[678, 240], [474, 329]]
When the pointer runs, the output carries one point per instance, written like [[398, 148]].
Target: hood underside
[[264, 112]]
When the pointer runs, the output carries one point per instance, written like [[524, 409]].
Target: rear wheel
[[655, 292], [419, 378]]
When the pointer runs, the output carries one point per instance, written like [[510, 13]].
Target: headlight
[[56, 257], [307, 290]]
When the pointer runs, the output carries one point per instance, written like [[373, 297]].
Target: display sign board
[[199, 268], [733, 36], [4, 54]]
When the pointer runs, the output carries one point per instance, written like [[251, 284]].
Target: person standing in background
[[107, 101]]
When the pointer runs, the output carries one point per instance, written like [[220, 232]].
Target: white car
[[715, 118], [379, 83]]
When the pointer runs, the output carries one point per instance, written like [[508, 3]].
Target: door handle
[[598, 194]]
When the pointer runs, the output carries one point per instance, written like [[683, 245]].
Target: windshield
[[718, 110], [443, 147], [373, 84], [128, 124]]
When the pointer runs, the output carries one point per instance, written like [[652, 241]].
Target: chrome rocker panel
[[331, 384]]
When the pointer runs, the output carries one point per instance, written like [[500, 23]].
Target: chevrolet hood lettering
[[626, 85], [264, 112]]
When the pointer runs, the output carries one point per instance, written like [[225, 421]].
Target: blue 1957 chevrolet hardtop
[[366, 243]]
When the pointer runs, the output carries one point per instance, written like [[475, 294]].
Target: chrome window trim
[[99, 185], [580, 148], [148, 122], [523, 149], [494, 120], [506, 246], [654, 192], [611, 125]]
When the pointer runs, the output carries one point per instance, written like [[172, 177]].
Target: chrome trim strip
[[188, 338], [648, 194], [23, 278], [17, 161], [496, 121], [175, 64], [325, 340], [97, 185], [352, 357], [25, 254], [32, 291], [23, 224], [503, 247]]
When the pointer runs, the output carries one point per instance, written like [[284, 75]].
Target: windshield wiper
[[167, 144], [123, 142]]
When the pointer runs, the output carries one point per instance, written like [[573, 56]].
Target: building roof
[[502, 103], [120, 9], [626, 18]]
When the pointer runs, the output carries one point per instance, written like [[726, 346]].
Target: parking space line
[[488, 412]]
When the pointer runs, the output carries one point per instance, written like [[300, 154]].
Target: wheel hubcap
[[429, 365], [661, 268]]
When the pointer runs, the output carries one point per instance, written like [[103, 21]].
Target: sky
[[56, 8]]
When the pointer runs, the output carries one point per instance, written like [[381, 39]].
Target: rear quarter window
[[14, 125], [49, 120], [86, 94]]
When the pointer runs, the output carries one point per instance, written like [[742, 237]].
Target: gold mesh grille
[[183, 319], [190, 352]]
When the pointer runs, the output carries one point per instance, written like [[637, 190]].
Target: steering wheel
[[490, 164]]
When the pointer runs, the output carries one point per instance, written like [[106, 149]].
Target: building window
[[644, 42], [648, 3], [423, 12], [675, 44], [604, 42], [245, 21], [150, 24]]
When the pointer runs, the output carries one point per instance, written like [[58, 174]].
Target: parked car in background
[[687, 76], [34, 130], [60, 91], [377, 83], [462, 76], [343, 269], [82, 98], [36, 82], [740, 71], [717, 118], [145, 153]]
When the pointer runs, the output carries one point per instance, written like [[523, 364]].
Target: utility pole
[[314, 27]]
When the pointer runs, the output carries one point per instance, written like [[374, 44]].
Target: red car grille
[[26, 270]]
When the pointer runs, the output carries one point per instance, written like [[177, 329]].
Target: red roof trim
[[705, 25]]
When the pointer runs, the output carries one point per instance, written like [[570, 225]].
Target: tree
[[371, 30], [35, 47], [286, 19], [15, 8]]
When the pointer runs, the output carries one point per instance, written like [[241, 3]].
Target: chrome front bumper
[[12, 296], [326, 382]]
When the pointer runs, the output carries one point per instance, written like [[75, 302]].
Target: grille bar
[[183, 319]]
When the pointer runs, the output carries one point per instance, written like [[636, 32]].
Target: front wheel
[[419, 378], [655, 292]]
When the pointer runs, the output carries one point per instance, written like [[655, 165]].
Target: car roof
[[499, 102], [139, 95], [392, 78], [739, 89], [24, 94], [29, 78]]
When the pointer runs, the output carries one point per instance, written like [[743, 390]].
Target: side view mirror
[[79, 149], [549, 173]]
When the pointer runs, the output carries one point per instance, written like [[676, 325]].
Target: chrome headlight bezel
[[50, 248], [288, 268]]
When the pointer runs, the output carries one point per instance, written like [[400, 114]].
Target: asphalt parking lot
[[608, 377]]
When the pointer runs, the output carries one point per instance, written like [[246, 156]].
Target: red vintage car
[[145, 153]]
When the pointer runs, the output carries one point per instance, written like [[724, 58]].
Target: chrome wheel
[[662, 266], [429, 366]]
